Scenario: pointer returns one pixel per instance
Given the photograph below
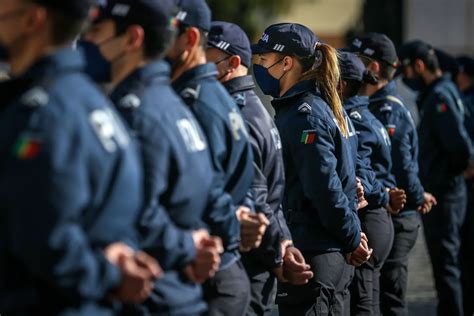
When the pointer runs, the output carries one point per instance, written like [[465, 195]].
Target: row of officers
[[140, 174]]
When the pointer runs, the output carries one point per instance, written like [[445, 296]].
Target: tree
[[251, 15]]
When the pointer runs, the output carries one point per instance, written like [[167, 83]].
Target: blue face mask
[[97, 67], [267, 83]]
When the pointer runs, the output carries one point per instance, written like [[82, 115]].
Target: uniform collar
[[469, 91], [357, 101], [388, 89], [427, 91], [239, 84], [295, 91], [197, 73], [142, 75], [64, 59]]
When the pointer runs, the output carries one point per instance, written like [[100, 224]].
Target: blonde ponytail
[[327, 76]]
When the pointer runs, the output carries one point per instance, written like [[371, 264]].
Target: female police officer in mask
[[320, 200]]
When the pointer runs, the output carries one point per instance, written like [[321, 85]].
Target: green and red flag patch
[[27, 147], [308, 137], [441, 108], [390, 130]]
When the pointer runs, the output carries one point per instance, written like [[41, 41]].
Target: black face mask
[[416, 84]]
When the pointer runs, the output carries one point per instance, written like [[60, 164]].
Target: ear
[[135, 37], [374, 66], [35, 19], [419, 66], [193, 36], [288, 63], [234, 61]]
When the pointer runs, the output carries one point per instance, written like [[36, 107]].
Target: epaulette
[[130, 101], [304, 108], [35, 97]]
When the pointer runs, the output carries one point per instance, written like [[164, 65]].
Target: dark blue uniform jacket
[[374, 148], [70, 185], [388, 108], [177, 174], [231, 153], [320, 198], [445, 147], [268, 184]]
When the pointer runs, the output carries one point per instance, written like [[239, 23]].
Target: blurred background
[[446, 24]]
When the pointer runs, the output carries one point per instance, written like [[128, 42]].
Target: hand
[[207, 261], [252, 228], [362, 202], [428, 203], [397, 202], [361, 254], [285, 244], [295, 270], [139, 271]]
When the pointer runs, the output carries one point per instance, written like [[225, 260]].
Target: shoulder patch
[[276, 138], [239, 98], [237, 125], [304, 108], [130, 101], [109, 129], [190, 135], [192, 92], [35, 97]]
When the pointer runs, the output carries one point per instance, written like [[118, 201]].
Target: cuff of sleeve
[[112, 278], [354, 243], [189, 250]]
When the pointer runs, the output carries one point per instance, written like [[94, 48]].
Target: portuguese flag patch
[[308, 137], [390, 130], [441, 108], [26, 147]]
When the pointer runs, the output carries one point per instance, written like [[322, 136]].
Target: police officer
[[229, 49], [174, 149], [374, 147], [465, 83], [195, 81], [70, 183], [320, 197], [379, 56], [445, 152]]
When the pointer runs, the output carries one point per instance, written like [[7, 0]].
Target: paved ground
[[421, 294]]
